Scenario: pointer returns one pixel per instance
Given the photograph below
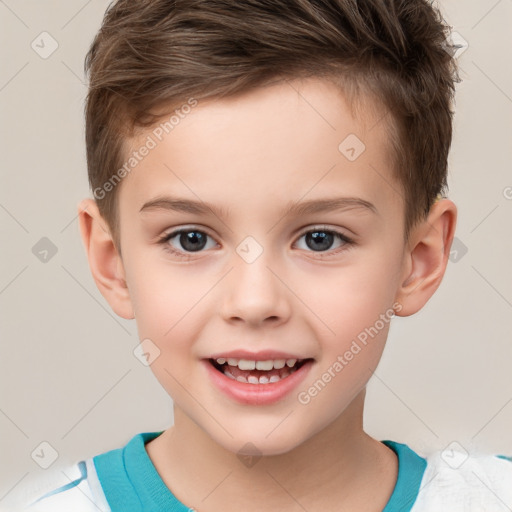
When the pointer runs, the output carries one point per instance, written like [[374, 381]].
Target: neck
[[334, 468]]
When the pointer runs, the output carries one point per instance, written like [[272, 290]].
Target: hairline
[[359, 96]]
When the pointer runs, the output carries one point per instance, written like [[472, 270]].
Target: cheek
[[166, 312], [172, 308], [344, 370], [164, 296], [355, 306], [349, 299]]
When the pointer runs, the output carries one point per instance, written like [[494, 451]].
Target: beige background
[[68, 374]]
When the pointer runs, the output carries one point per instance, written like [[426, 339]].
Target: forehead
[[278, 144]]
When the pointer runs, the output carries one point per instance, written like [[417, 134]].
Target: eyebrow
[[293, 208]]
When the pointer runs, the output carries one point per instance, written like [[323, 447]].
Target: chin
[[254, 442]]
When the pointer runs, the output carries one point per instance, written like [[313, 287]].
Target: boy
[[302, 147]]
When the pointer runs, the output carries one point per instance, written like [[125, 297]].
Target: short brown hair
[[151, 55]]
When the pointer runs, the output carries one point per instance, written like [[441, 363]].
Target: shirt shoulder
[[460, 482], [75, 488]]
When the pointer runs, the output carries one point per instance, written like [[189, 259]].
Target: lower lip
[[257, 394]]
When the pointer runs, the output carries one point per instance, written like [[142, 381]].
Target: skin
[[252, 155]]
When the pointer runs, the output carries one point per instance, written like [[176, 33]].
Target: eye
[[321, 239], [191, 240]]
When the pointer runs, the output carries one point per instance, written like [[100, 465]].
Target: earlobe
[[104, 260], [427, 257]]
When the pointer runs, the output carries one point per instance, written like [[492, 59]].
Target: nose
[[256, 292]]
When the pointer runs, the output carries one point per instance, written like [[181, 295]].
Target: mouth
[[254, 372]]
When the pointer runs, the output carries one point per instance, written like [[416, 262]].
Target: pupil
[[321, 239]]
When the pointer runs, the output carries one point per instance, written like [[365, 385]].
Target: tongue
[[236, 372]]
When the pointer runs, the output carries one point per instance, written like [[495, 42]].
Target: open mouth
[[257, 372]]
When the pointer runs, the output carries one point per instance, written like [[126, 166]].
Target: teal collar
[[131, 483], [411, 468]]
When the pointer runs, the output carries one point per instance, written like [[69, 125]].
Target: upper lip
[[262, 355]]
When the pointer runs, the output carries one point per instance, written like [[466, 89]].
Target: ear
[[426, 257], [104, 260]]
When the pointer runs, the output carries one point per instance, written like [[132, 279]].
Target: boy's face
[[257, 281]]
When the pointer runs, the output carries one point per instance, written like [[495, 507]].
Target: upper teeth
[[247, 364]]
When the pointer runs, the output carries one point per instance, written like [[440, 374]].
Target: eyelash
[[347, 242]]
